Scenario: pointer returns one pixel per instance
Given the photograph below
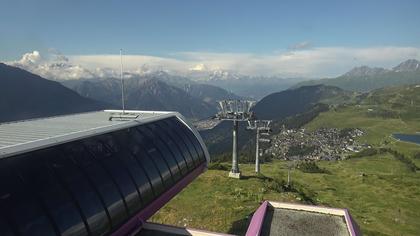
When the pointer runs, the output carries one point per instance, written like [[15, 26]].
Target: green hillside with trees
[[379, 185]]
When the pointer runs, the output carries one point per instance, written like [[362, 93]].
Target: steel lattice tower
[[262, 127], [235, 110]]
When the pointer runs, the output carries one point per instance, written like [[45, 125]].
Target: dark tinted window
[[21, 206], [177, 146], [180, 130], [83, 192], [192, 138], [179, 141], [142, 182], [40, 179], [157, 136], [161, 164], [169, 140], [102, 180], [5, 229], [111, 160], [146, 162]]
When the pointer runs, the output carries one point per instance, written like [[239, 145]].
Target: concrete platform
[[235, 175]]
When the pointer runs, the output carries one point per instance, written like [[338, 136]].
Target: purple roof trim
[[257, 220], [184, 228], [136, 222], [352, 226]]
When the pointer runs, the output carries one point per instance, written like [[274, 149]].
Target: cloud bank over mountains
[[55, 66], [301, 60]]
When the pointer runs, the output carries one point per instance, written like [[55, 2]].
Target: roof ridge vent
[[122, 116]]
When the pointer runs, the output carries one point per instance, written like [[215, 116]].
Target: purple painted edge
[[198, 230], [257, 220], [354, 231], [316, 206], [136, 222]]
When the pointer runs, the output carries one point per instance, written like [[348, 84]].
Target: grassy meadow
[[381, 191]]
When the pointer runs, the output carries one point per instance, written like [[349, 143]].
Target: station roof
[[23, 136]]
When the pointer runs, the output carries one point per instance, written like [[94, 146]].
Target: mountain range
[[24, 95], [195, 101], [365, 78], [254, 87]]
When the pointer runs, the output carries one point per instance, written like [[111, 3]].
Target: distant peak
[[365, 71], [408, 65], [199, 67]]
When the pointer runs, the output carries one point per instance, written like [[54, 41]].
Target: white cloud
[[31, 58], [307, 62], [301, 45], [199, 67], [54, 66]]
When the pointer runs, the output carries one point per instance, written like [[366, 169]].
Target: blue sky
[[170, 28]]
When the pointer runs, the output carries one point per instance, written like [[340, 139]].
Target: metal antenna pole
[[122, 84]]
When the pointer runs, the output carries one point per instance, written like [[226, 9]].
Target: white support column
[[235, 173]]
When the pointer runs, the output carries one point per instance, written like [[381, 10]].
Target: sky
[[286, 38]]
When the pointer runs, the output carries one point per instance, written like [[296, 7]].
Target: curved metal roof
[[28, 135], [86, 174]]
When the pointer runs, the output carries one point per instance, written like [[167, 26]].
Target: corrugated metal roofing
[[22, 136]]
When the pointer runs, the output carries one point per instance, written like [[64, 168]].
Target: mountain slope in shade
[[106, 90], [24, 95], [150, 94], [366, 79], [254, 87], [290, 102], [157, 95], [209, 93]]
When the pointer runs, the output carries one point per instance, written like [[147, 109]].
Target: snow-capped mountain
[[365, 78], [364, 71], [409, 65], [224, 75]]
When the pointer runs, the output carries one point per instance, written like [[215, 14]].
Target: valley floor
[[378, 130]]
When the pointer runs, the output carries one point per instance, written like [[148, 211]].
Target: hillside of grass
[[380, 192], [381, 113], [367, 82], [380, 187]]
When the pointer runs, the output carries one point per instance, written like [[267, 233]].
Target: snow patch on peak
[[408, 65], [199, 67], [365, 71]]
